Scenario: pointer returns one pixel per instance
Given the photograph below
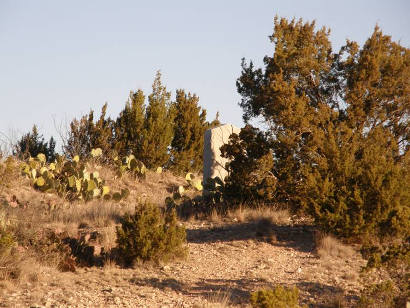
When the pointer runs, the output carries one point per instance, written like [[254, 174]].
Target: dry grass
[[274, 215], [328, 247], [96, 213], [109, 237], [220, 299], [338, 300], [214, 216], [154, 188], [18, 268]]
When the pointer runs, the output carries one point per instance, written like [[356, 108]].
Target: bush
[[149, 235], [381, 295], [279, 297], [6, 241], [395, 259]]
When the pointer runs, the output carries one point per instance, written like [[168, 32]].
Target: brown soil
[[226, 262], [228, 257]]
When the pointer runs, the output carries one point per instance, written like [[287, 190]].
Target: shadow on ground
[[299, 237], [326, 296], [237, 291]]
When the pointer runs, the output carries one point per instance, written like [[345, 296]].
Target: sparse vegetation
[[333, 160], [329, 247]]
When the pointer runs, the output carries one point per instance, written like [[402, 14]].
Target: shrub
[[380, 295], [279, 297], [6, 241], [149, 234], [395, 259]]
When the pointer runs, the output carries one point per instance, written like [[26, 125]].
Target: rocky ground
[[227, 260]]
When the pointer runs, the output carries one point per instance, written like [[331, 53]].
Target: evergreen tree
[[158, 126], [32, 143], [129, 126], [102, 134], [189, 128], [85, 135], [338, 125]]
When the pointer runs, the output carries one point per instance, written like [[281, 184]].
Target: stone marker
[[214, 164]]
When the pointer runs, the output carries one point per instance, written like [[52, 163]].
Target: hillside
[[229, 256]]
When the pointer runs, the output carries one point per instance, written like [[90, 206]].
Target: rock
[[214, 164]]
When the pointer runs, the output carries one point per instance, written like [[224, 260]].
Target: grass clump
[[279, 297], [8, 171], [150, 235]]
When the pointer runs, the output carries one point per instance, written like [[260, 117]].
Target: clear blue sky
[[59, 59]]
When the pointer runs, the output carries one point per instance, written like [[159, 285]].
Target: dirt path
[[226, 262]]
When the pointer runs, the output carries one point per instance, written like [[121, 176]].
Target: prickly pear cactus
[[68, 178], [134, 166]]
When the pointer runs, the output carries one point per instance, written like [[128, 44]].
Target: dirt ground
[[226, 261]]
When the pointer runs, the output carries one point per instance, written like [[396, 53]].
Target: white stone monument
[[214, 164]]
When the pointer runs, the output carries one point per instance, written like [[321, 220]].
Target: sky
[[60, 59]]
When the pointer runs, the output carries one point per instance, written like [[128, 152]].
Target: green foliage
[[158, 126], [250, 168], [337, 125], [395, 259], [69, 179], [7, 241], [279, 297], [149, 234], [85, 135], [215, 191], [190, 125], [381, 295], [33, 143], [130, 124]]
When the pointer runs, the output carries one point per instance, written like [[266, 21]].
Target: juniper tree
[[84, 134], [33, 143], [338, 125], [158, 126], [189, 128], [129, 125]]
